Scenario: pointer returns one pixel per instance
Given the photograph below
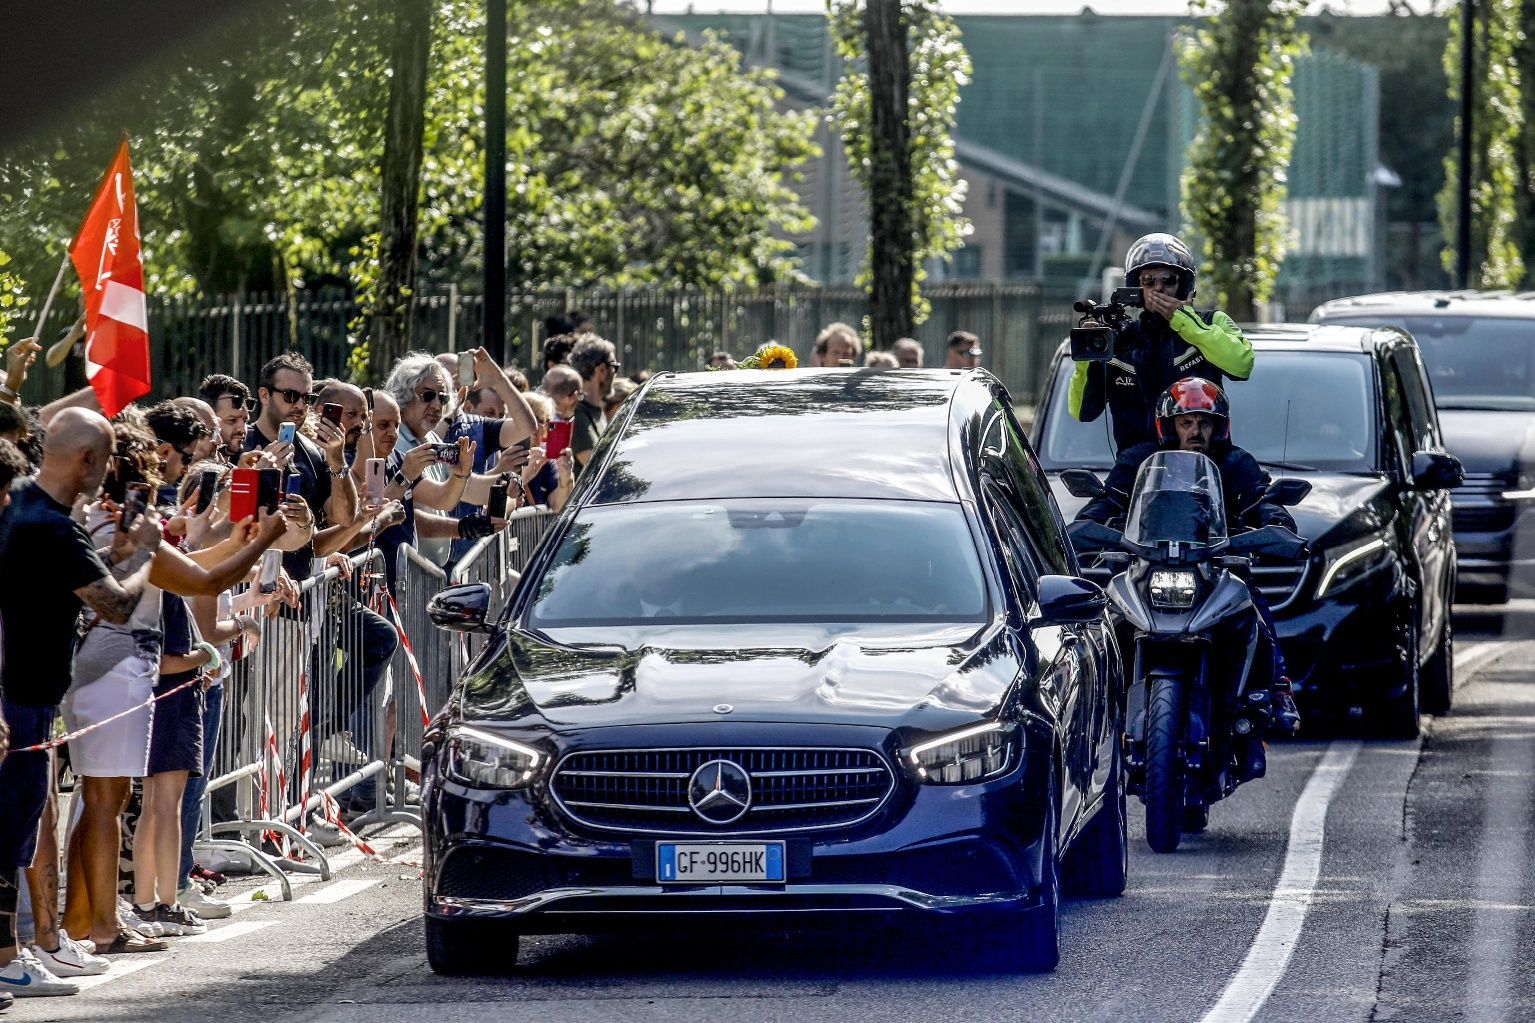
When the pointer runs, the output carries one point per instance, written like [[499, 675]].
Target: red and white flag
[[105, 252]]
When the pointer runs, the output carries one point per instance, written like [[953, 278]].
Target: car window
[[1423, 424], [1046, 531], [1485, 362], [1022, 562], [1399, 427], [763, 561], [1308, 408]]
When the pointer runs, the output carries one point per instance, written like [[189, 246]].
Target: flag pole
[[58, 280]]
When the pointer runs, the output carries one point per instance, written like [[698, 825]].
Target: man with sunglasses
[[325, 483], [232, 407], [1170, 341]]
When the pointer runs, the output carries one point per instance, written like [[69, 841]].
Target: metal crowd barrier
[[302, 715], [498, 561], [330, 700]]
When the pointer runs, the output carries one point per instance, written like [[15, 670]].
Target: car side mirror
[[1289, 492], [1069, 600], [1436, 470], [461, 608], [1081, 483]]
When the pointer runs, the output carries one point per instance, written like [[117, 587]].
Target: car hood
[[1488, 441], [1339, 503], [686, 674]]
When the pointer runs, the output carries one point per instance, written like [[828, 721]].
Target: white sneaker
[[204, 905], [126, 917], [73, 958], [25, 977], [340, 749]]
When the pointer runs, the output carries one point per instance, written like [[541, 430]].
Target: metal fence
[[1019, 324]]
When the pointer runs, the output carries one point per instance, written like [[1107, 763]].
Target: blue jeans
[[192, 799]]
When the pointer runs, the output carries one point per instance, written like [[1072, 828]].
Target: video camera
[[1094, 337]]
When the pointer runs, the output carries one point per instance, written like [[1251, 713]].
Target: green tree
[[937, 68], [1496, 149], [632, 158], [12, 299], [1240, 62]]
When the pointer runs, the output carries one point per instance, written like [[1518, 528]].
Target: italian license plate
[[719, 862]]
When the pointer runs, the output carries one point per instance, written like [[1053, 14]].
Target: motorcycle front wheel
[[1163, 794]]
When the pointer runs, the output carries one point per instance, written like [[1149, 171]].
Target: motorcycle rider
[[1168, 342], [1193, 415]]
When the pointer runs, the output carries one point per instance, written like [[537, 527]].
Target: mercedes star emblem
[[723, 708], [720, 791]]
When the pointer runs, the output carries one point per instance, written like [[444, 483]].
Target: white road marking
[[121, 967], [338, 891], [223, 932], [1500, 873], [1471, 658], [1275, 944]]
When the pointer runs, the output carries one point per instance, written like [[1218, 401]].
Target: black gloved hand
[[475, 527]]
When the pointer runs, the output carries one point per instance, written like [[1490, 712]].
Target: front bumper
[[1494, 544], [1343, 650], [932, 850]]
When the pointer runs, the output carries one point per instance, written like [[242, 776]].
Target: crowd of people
[[133, 591]]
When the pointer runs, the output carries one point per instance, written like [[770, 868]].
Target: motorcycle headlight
[[971, 754], [487, 760], [1172, 588], [1348, 565]]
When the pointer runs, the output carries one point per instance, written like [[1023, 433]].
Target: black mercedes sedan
[[1364, 620], [805, 646]]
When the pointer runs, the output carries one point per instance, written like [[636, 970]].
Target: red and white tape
[[61, 740]]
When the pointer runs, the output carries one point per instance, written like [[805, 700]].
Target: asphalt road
[[1361, 880]]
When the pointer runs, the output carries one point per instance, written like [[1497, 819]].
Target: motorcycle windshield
[[1177, 499]]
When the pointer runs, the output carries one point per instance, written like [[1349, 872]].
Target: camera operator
[[1168, 342]]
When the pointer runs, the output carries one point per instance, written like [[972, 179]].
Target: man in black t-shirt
[[286, 395], [51, 571], [597, 362]]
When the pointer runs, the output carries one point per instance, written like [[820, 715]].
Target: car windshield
[[1314, 410], [763, 561], [1474, 362], [1177, 498]]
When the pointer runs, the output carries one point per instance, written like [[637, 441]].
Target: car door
[[1037, 537], [1432, 540]]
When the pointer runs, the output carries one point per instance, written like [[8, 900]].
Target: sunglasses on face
[[428, 396], [1159, 280], [293, 397]]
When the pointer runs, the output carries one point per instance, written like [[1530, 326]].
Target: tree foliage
[[939, 68], [1240, 62], [1497, 150], [632, 158], [12, 299]]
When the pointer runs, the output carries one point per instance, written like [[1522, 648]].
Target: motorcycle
[[1199, 699]]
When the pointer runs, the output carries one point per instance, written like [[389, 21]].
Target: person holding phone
[[597, 361], [547, 481]]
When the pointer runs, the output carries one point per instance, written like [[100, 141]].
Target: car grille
[[793, 789], [1477, 506], [503, 875]]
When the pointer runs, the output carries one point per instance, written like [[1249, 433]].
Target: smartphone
[[496, 506], [466, 369], [523, 445], [286, 433], [115, 486], [367, 396], [559, 438], [376, 480], [135, 500], [243, 487], [207, 486], [269, 489], [293, 485], [271, 565], [330, 410], [447, 454]]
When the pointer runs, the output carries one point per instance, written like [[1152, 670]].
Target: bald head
[[354, 407], [205, 444], [76, 454]]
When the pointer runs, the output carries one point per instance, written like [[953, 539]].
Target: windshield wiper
[[1294, 466]]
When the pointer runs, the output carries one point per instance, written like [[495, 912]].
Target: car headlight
[[490, 761], [970, 754], [1350, 564], [1172, 588]]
